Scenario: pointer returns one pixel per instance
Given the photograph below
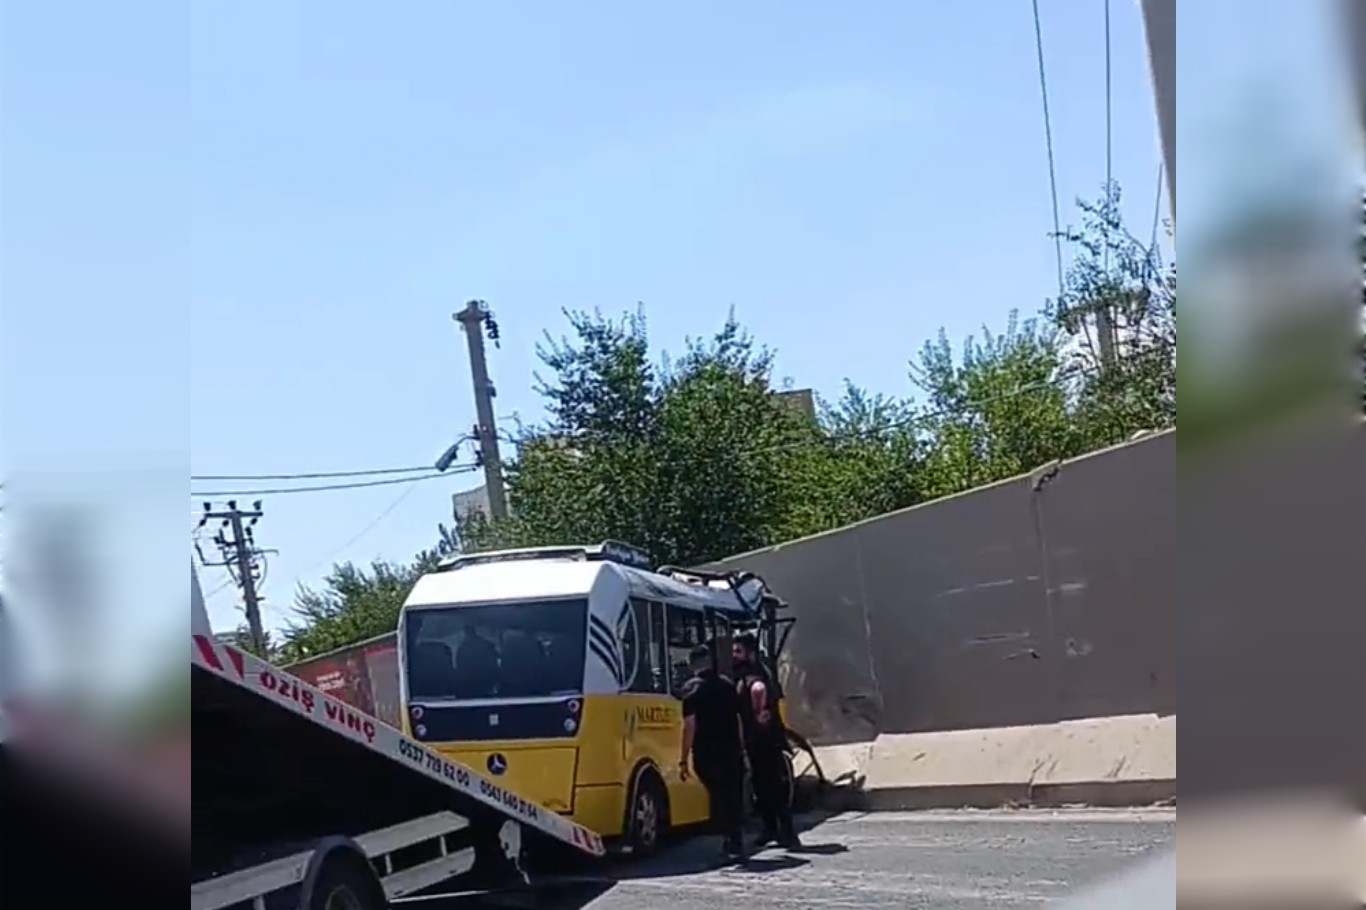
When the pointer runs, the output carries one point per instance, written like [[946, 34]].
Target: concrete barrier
[[1106, 761]]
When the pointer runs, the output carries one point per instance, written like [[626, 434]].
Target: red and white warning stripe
[[587, 840], [219, 657], [298, 696]]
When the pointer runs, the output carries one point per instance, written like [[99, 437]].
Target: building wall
[[803, 401], [476, 500], [364, 675]]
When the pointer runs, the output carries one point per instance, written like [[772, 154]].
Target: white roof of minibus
[[541, 578], [549, 579]]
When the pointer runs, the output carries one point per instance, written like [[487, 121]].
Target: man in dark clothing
[[765, 744], [712, 737]]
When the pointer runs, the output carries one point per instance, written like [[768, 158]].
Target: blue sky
[[849, 178]]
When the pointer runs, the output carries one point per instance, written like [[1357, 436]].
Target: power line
[[1109, 104], [223, 587], [316, 475], [455, 469], [361, 533], [1048, 141]]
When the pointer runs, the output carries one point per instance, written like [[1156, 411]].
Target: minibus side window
[[687, 630], [660, 639], [643, 645]]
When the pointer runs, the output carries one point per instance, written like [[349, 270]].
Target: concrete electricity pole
[[473, 318], [239, 552]]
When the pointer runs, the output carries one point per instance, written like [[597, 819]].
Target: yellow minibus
[[556, 671]]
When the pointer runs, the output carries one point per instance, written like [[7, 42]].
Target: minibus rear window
[[526, 649]]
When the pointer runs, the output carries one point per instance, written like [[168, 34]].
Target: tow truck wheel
[[649, 814], [345, 883]]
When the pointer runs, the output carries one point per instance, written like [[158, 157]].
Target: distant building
[[803, 401], [476, 500]]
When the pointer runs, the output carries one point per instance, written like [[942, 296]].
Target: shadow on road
[[560, 895], [759, 865], [697, 854], [820, 850]]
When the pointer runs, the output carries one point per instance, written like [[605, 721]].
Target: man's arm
[[689, 729], [758, 700], [689, 734]]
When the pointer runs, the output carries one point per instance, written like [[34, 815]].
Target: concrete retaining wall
[[1044, 598], [1107, 761]]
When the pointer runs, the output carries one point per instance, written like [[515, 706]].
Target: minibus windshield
[[520, 649]]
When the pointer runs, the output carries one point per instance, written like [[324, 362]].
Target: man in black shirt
[[765, 744], [712, 737]]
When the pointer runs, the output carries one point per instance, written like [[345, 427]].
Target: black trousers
[[772, 789], [724, 777]]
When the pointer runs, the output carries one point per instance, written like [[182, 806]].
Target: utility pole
[[1105, 333], [474, 318], [239, 553]]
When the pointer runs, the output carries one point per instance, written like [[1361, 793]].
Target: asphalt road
[[1005, 859]]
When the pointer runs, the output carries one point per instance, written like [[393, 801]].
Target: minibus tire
[[345, 881], [648, 786]]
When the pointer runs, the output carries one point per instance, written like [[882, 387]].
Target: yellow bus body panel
[[589, 777]]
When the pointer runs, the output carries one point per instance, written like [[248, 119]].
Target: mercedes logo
[[497, 764]]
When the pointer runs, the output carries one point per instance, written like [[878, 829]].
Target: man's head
[[744, 651], [699, 658]]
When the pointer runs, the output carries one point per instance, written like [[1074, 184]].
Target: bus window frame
[[406, 613], [721, 641], [718, 639], [645, 637], [706, 627]]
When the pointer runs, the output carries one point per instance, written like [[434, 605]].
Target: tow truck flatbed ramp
[[277, 760]]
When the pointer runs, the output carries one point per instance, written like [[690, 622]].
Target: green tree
[[864, 458], [354, 604], [727, 449], [687, 457], [999, 410], [1117, 280]]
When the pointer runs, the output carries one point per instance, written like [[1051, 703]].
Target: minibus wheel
[[648, 821], [345, 881]]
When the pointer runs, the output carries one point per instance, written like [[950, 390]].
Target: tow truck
[[303, 801]]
